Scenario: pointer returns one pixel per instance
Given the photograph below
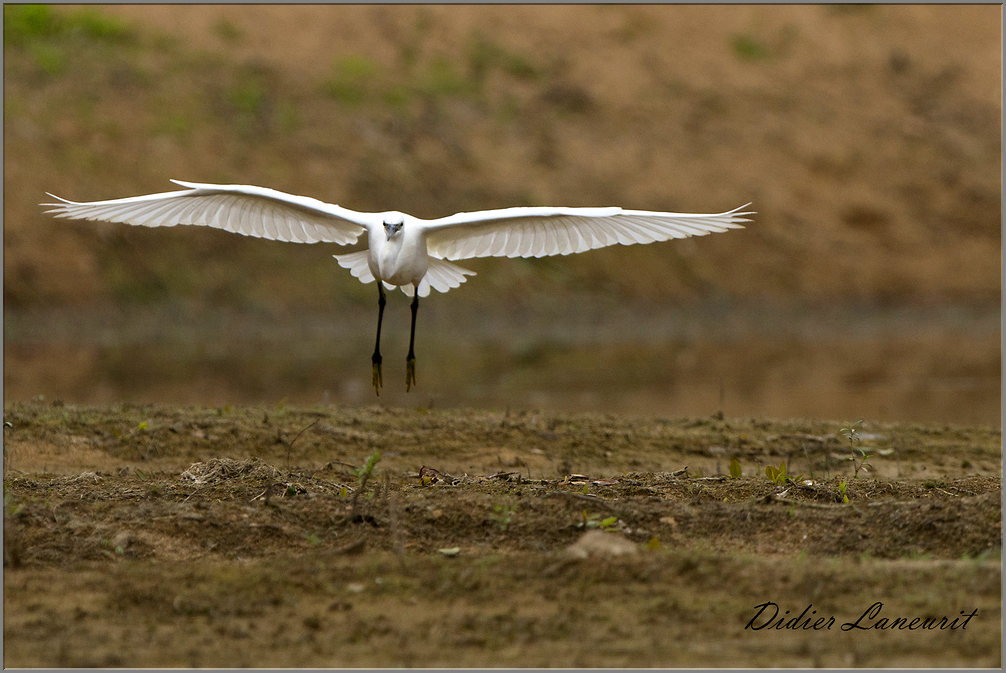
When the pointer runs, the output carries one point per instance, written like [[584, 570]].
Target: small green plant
[[735, 469], [841, 489], [503, 515], [779, 476], [363, 474], [849, 432], [595, 521]]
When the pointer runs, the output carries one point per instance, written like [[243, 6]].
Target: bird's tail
[[357, 264], [440, 276]]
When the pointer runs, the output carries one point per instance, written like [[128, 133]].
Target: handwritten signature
[[768, 617]]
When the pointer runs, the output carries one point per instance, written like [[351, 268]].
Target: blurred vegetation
[[198, 102], [28, 24], [95, 107]]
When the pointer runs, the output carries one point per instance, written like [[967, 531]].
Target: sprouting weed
[[778, 475], [850, 433], [503, 515], [595, 521]]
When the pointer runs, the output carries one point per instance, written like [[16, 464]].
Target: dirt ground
[[868, 138], [156, 536]]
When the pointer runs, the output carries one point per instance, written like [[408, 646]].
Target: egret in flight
[[403, 251]]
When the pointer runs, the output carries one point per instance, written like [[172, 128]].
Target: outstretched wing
[[538, 232], [243, 209]]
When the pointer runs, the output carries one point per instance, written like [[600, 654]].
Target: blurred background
[[867, 137]]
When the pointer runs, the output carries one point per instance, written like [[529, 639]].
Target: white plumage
[[403, 251]]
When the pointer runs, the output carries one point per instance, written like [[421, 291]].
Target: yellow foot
[[410, 374], [378, 381]]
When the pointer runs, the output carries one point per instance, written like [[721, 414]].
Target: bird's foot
[[378, 380], [410, 373]]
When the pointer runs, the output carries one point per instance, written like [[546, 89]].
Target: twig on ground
[[339, 462], [289, 446], [354, 547], [579, 496], [804, 503], [809, 464], [193, 493]]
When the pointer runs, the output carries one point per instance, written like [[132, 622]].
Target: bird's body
[[398, 260], [403, 251]]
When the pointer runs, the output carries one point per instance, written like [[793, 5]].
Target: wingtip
[[61, 200], [182, 183], [739, 214]]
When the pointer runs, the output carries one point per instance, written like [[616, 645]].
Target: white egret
[[403, 251]]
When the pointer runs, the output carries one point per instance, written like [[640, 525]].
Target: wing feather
[[145, 211], [245, 215], [562, 240], [190, 212], [536, 238], [243, 209], [279, 226], [443, 275], [297, 229], [538, 232], [358, 265], [551, 241]]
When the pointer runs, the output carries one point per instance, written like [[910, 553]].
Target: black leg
[[410, 361], [378, 382]]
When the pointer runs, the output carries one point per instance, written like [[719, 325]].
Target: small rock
[[122, 540], [598, 543]]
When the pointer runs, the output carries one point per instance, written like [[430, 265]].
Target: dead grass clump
[[217, 470]]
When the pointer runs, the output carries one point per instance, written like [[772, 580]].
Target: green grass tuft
[[351, 79], [749, 49], [25, 24]]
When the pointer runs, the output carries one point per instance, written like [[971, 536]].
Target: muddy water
[[929, 364]]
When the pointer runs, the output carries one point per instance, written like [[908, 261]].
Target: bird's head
[[393, 224]]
